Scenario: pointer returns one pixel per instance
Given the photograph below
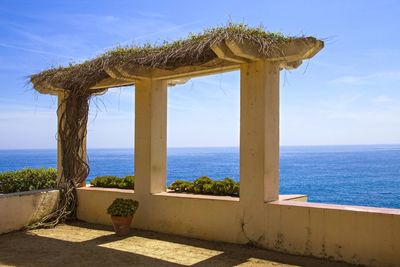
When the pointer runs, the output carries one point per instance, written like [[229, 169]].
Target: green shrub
[[206, 186], [229, 185], [202, 185], [123, 207], [181, 186], [236, 190], [114, 182], [218, 188], [128, 182], [27, 180]]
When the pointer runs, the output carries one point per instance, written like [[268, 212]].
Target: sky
[[349, 93]]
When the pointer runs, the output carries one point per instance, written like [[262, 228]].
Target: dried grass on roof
[[192, 51]]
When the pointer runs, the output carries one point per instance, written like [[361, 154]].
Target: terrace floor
[[82, 244]]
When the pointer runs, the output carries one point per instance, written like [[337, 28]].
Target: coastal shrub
[[207, 186], [127, 182], [229, 185], [236, 190], [218, 188], [180, 186], [202, 185], [27, 180]]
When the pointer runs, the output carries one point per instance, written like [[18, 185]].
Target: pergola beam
[[197, 71], [111, 82], [223, 52], [291, 65], [294, 50]]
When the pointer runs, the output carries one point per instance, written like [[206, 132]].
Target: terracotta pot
[[122, 225]]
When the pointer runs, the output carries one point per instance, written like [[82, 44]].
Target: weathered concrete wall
[[211, 218], [360, 235], [20, 209]]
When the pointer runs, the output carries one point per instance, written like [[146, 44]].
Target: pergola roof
[[212, 51]]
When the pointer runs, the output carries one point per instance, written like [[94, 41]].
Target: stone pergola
[[359, 235], [259, 112]]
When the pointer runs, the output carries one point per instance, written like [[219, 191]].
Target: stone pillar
[[83, 149], [150, 136], [60, 110], [259, 141], [62, 96]]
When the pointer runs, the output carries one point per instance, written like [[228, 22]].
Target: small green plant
[[206, 186], [123, 207], [127, 182], [27, 180]]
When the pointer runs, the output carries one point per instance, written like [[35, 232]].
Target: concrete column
[[259, 140], [83, 149], [62, 96], [150, 136]]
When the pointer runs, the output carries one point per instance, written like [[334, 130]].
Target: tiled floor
[[84, 244]]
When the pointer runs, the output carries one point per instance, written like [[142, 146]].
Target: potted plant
[[122, 211]]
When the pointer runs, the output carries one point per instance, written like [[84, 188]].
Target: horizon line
[[196, 147]]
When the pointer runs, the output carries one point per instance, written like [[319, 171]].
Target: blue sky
[[348, 94]]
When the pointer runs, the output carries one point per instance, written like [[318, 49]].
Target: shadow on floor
[[82, 244]]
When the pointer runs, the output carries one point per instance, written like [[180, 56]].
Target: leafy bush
[[218, 188], [127, 182], [206, 186], [229, 185], [181, 186], [27, 180], [236, 190], [202, 185], [123, 207]]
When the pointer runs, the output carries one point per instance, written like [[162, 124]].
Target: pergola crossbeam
[[111, 82], [294, 50], [223, 52], [291, 65], [244, 50], [196, 71]]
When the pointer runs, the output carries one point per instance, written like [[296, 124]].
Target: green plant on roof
[[192, 51]]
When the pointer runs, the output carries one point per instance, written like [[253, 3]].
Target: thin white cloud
[[147, 36], [367, 79], [383, 99], [33, 50]]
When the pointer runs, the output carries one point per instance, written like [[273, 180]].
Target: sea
[[366, 175]]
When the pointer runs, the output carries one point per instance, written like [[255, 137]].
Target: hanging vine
[[73, 116]]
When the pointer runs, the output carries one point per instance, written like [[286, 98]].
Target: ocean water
[[354, 175]]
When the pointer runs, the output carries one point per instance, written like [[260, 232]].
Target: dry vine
[[74, 112], [72, 130]]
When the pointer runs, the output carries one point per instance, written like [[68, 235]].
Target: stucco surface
[[358, 235], [20, 209]]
